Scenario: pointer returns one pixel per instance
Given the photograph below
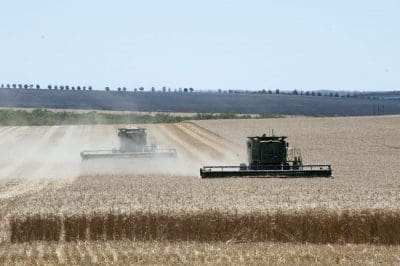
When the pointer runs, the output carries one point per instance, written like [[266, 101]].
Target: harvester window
[[270, 151]]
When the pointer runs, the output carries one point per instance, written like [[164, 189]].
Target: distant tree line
[[152, 89], [49, 87], [294, 92], [89, 88], [190, 89]]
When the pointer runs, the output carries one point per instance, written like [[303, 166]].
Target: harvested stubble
[[194, 253], [312, 226]]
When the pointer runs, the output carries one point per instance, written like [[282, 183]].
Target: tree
[[61, 87], [2, 86], [73, 88], [37, 86], [78, 88], [180, 89], [25, 86], [141, 89], [295, 92], [185, 90], [153, 89], [30, 86], [55, 87], [312, 93], [164, 89], [307, 93], [330, 94], [319, 93], [124, 89], [277, 91], [90, 88], [107, 88], [119, 88], [49, 87], [84, 88], [219, 91], [135, 89], [67, 87], [336, 94], [169, 89], [14, 86], [191, 89]]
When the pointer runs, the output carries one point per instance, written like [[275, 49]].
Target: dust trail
[[5, 131], [30, 153], [60, 158], [19, 151], [156, 134], [11, 133]]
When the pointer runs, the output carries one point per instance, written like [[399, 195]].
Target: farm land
[[198, 102], [55, 209]]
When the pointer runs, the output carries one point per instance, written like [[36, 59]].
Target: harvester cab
[[269, 156], [132, 139], [132, 144], [269, 151]]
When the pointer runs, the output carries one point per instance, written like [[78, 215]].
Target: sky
[[208, 44]]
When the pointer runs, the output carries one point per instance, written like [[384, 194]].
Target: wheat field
[[48, 194], [194, 253]]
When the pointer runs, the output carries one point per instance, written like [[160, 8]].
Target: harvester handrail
[[100, 151], [97, 151], [284, 168]]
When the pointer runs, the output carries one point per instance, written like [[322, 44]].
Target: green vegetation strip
[[42, 117]]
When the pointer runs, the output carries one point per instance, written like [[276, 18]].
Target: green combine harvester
[[133, 144], [269, 156]]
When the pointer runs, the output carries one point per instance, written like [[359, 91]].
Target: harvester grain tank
[[133, 144], [269, 156]]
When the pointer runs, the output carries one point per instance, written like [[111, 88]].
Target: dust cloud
[[53, 152]]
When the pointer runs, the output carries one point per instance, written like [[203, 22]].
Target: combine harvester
[[133, 144], [268, 156]]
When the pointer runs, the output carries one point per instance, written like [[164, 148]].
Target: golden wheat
[[154, 201], [313, 226]]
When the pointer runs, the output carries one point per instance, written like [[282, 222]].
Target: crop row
[[312, 226]]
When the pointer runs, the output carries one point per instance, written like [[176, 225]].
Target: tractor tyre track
[[184, 148], [210, 139], [204, 149]]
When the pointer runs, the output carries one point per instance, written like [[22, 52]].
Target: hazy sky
[[202, 44]]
